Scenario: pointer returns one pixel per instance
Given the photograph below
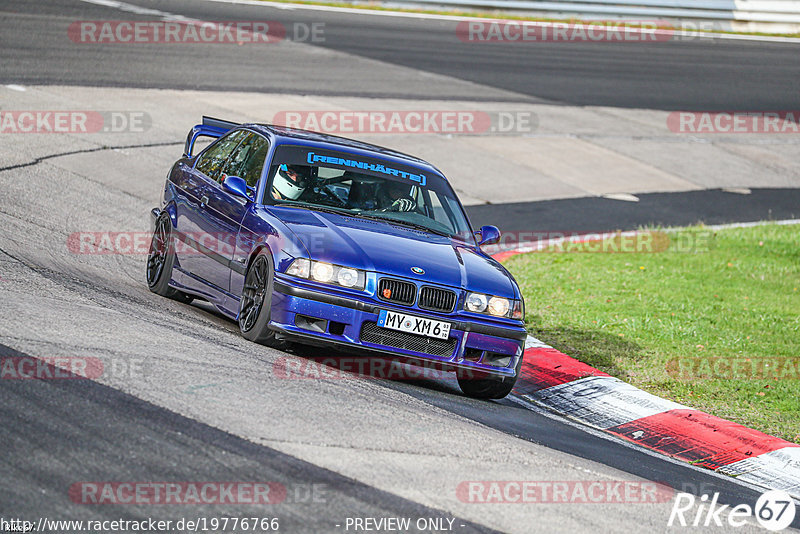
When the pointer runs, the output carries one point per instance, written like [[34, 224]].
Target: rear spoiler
[[210, 127]]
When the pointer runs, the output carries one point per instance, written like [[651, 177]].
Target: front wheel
[[487, 388], [160, 260], [256, 302]]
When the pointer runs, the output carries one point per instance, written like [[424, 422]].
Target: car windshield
[[366, 187]]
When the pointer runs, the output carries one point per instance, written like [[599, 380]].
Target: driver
[[395, 196], [290, 182]]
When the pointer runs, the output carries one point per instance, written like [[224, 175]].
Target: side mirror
[[487, 235], [236, 186]]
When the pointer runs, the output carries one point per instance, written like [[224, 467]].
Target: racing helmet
[[290, 181]]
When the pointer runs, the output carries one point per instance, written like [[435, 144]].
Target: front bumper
[[326, 318]]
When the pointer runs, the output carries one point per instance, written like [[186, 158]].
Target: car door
[[223, 211], [192, 224], [251, 230]]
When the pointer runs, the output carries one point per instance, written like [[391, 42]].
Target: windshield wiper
[[316, 207], [400, 222]]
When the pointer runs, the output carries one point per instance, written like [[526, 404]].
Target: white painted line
[[625, 197], [15, 87], [603, 401], [130, 8], [737, 190], [349, 10], [785, 222], [430, 16], [138, 10]]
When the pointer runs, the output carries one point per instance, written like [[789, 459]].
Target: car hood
[[394, 250]]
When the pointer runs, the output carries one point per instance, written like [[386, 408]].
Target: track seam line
[[40, 159]]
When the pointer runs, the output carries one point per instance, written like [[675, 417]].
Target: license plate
[[413, 324]]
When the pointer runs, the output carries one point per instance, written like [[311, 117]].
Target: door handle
[[204, 200]]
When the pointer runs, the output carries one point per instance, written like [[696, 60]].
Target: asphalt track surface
[[598, 214], [687, 74], [245, 425], [696, 74]]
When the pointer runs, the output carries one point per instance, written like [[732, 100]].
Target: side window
[[247, 160], [213, 159]]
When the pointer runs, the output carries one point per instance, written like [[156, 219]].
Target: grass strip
[[710, 319]]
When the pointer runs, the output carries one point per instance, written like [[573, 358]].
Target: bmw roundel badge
[[417, 270]]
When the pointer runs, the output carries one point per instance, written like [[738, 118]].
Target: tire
[[488, 388], [255, 304], [160, 260]]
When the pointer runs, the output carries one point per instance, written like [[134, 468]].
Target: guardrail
[[778, 16]]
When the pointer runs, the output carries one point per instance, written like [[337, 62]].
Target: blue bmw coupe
[[327, 241]]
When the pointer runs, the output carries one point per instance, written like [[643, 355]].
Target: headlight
[[327, 273], [476, 302], [496, 306], [299, 267], [347, 277], [499, 306], [322, 272]]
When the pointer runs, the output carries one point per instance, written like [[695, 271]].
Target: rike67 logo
[[774, 510]]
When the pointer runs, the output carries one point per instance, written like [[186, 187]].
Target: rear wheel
[[487, 388], [160, 260], [256, 302]]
